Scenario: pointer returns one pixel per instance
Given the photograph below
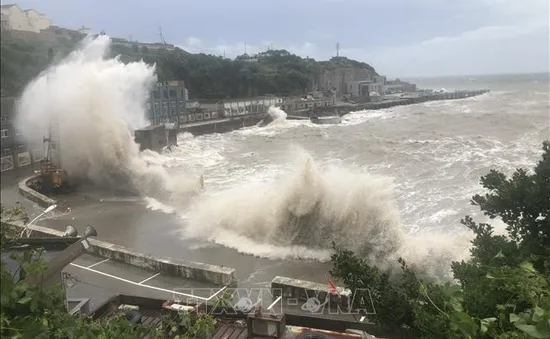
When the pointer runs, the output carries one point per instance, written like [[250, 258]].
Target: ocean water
[[384, 183], [387, 184]]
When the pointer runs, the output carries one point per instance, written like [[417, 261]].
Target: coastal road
[[125, 220]]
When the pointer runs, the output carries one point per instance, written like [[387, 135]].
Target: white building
[[13, 18]]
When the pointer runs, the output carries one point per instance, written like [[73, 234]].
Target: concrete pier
[[236, 122], [410, 99]]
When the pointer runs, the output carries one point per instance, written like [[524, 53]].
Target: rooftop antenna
[[162, 41], [337, 49], [245, 48]]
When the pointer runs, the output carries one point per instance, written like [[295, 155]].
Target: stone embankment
[[237, 122], [409, 100]]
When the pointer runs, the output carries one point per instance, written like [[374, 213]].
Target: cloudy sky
[[398, 37]]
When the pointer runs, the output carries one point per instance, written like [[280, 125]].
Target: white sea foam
[[251, 206], [300, 214], [95, 104]]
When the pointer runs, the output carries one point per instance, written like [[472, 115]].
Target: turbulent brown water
[[384, 183]]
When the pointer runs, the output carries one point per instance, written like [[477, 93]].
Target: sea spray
[[96, 103], [276, 114], [300, 214], [307, 208]]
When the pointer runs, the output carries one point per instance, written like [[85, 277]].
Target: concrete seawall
[[214, 274], [224, 276], [303, 290], [222, 125], [412, 100], [32, 195]]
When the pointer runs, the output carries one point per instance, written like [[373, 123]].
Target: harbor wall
[[34, 196], [229, 124], [224, 276], [222, 125], [302, 290], [409, 100], [191, 270]]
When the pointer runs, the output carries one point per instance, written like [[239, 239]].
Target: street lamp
[[28, 231]]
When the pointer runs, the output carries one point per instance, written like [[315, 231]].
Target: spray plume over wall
[[96, 103], [276, 114], [301, 214]]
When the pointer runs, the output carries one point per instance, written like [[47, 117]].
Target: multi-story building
[[167, 103], [14, 18], [14, 150], [337, 78]]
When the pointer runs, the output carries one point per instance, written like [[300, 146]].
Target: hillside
[[22, 60], [276, 72]]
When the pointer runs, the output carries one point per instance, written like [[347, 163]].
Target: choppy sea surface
[[384, 183]]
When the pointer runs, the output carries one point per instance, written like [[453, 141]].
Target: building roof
[[34, 10], [231, 325]]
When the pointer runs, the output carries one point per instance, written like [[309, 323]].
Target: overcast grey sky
[[397, 37]]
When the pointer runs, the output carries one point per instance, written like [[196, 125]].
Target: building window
[[156, 94], [21, 148], [165, 94], [18, 132], [6, 152], [4, 133], [173, 93], [173, 104]]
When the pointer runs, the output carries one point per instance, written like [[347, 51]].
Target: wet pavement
[[125, 220], [110, 278]]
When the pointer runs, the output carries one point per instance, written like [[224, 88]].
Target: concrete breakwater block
[[302, 290]]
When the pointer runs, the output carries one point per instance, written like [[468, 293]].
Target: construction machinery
[[52, 178]]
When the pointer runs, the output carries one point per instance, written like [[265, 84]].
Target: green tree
[[504, 289], [275, 72]]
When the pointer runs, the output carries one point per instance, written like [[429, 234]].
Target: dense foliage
[[21, 60], [275, 72], [503, 290], [32, 311]]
